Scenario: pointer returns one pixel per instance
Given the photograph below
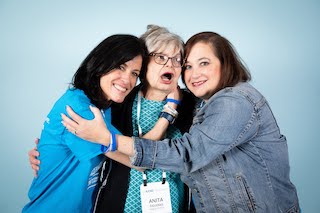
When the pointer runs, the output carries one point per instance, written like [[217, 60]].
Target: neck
[[154, 95]]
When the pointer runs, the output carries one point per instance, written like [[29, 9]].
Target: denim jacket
[[234, 157]]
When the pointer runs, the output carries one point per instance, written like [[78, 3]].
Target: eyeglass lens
[[163, 59]]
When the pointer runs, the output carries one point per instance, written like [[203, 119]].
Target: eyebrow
[[137, 70], [175, 56], [199, 59]]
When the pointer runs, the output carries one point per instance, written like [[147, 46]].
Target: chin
[[118, 100], [198, 94]]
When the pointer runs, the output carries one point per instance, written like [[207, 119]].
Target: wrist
[[105, 138], [109, 142], [171, 110], [169, 117], [172, 105], [173, 101]]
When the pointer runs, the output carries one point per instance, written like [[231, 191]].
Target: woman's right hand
[[176, 94], [34, 162]]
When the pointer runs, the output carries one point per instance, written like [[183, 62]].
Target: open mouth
[[118, 87], [167, 76]]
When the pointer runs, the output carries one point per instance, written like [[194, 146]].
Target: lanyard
[[140, 135], [138, 113]]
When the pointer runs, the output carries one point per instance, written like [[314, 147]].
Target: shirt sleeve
[[223, 124], [82, 149]]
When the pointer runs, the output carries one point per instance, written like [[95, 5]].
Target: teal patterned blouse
[[149, 115]]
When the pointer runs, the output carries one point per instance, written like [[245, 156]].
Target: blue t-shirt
[[69, 168]]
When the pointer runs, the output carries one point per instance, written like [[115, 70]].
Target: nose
[[169, 63], [126, 76], [195, 73]]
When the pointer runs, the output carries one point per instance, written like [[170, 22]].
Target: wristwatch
[[167, 116]]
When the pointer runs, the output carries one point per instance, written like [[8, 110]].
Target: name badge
[[155, 198]]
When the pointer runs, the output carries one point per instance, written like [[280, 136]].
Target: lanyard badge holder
[[155, 196]]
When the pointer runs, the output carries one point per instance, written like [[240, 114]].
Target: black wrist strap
[[167, 116]]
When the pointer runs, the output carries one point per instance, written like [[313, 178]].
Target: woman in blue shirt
[[69, 170], [234, 157]]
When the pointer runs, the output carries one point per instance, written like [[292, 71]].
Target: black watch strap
[[167, 116]]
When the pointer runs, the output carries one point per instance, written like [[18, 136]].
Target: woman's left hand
[[175, 94], [94, 130]]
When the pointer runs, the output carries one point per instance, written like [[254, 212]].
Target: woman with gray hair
[[143, 106]]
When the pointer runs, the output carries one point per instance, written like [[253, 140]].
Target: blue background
[[42, 44]]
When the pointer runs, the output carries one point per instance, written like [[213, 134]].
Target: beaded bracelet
[[169, 109]]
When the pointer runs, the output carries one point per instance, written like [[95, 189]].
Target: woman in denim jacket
[[234, 157]]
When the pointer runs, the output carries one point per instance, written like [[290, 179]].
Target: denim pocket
[[246, 195]]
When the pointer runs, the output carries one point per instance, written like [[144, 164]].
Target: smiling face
[[117, 83], [203, 71], [163, 78]]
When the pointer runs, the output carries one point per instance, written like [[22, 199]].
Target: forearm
[[158, 131], [125, 145], [123, 159], [160, 128], [159, 154]]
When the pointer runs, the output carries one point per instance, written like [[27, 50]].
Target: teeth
[[197, 83], [118, 87]]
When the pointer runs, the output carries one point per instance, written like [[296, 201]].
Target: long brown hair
[[233, 70]]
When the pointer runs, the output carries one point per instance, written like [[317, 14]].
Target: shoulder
[[242, 92], [78, 101]]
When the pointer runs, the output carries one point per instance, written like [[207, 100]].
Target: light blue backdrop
[[42, 44]]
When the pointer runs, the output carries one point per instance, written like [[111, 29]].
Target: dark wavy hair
[[233, 69], [108, 55]]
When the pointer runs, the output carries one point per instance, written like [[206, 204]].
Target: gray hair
[[156, 37]]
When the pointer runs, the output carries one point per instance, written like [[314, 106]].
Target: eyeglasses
[[163, 59]]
